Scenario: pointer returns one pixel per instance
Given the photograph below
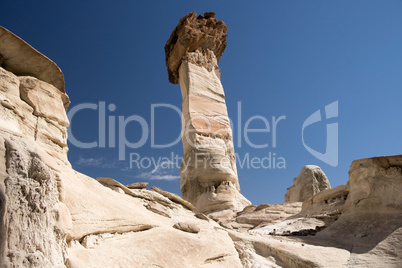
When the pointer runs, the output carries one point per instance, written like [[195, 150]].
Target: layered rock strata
[[34, 221], [53, 216], [208, 172]]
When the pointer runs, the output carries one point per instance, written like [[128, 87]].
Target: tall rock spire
[[208, 170]]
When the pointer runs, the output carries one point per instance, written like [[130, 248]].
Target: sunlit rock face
[[33, 134], [310, 182], [208, 171], [54, 216]]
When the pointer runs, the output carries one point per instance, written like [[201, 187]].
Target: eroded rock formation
[[33, 220], [354, 225], [310, 181], [364, 215], [53, 216], [208, 171]]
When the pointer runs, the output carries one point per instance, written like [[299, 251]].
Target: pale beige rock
[[268, 214], [33, 224], [96, 209], [117, 189], [208, 171], [376, 184], [366, 212], [328, 203], [137, 185], [19, 112], [119, 213], [16, 115], [310, 181], [174, 197], [201, 216], [53, 216], [46, 100], [286, 252], [159, 247], [20, 58], [158, 209], [139, 193], [187, 227], [241, 227], [64, 222]]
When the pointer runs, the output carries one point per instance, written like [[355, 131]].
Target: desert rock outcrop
[[54, 216], [208, 171], [310, 181], [366, 212]]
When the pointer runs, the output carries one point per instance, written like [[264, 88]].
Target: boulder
[[187, 227], [310, 181], [137, 185], [158, 209]]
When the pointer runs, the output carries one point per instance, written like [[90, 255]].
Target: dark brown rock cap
[[194, 33]]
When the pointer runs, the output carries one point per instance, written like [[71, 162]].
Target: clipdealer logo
[[330, 156], [112, 133]]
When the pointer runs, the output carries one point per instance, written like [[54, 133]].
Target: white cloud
[[95, 162], [158, 175], [161, 168], [164, 177], [90, 162], [163, 171]]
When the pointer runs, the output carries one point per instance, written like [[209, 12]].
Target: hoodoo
[[208, 171]]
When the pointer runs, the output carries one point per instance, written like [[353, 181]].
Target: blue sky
[[284, 58]]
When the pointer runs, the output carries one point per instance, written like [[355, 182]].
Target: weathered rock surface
[[21, 59], [194, 33], [174, 197], [140, 193], [35, 109], [365, 215], [158, 209], [264, 214], [34, 223], [310, 181], [137, 185], [271, 251], [208, 171], [187, 227], [53, 216]]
